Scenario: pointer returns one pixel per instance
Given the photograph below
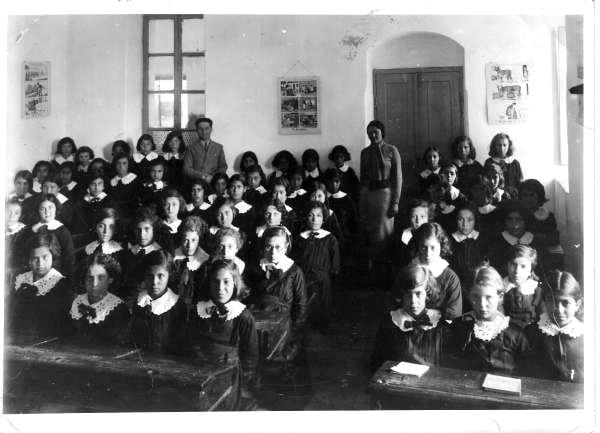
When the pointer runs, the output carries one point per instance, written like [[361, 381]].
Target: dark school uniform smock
[[344, 208], [125, 192], [488, 217], [468, 253], [450, 298], [14, 262], [500, 195], [349, 182], [140, 164], [174, 165], [132, 269], [523, 304], [402, 252], [73, 191], [104, 322], [255, 196], [58, 159], [422, 177], [168, 235], [310, 178], [203, 211], [502, 244], [513, 175], [158, 324], [445, 216], [466, 172], [557, 352], [402, 337], [298, 199], [497, 345], [542, 224], [66, 262], [187, 276], [90, 209], [111, 248], [246, 218], [151, 193]]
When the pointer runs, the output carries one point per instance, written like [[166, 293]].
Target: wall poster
[[299, 105], [36, 89], [507, 92]]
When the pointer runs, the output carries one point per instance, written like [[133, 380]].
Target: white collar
[[459, 163], [407, 235], [71, 185], [541, 214], [288, 208], [284, 265], [486, 209], [525, 239], [170, 155], [138, 157], [506, 160], [498, 194], [425, 173], [339, 194], [488, 330], [527, 288], [190, 206], [100, 197], [214, 229], [243, 207], [459, 237], [43, 285], [83, 168], [109, 247], [125, 180], [195, 261], [206, 309], [261, 189], [343, 168], [174, 226], [213, 197], [61, 198], [241, 265], [298, 193], [321, 233], [573, 329], [159, 305], [52, 225], [13, 195], [454, 192], [14, 228], [152, 247], [436, 268], [36, 185], [158, 183], [313, 174], [60, 159], [399, 317], [102, 308], [446, 208]]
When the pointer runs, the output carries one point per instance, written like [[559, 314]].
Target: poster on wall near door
[[299, 105], [507, 92], [36, 89]]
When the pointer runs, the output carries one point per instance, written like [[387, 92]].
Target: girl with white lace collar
[[411, 331], [245, 217], [557, 338], [228, 242], [172, 205], [486, 340], [431, 162], [218, 184], [224, 214], [106, 232], [502, 152], [41, 295], [98, 316], [523, 295], [464, 157], [419, 213], [331, 222], [156, 185], [222, 318], [297, 196], [144, 155], [41, 171], [159, 313], [124, 186], [256, 181], [67, 186], [494, 174], [428, 245], [452, 195], [94, 201], [65, 151]]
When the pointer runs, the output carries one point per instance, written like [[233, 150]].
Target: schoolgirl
[[67, 207], [342, 205], [106, 236], [152, 190], [98, 168], [90, 208], [120, 146], [493, 173], [279, 194], [463, 156], [197, 206], [245, 217], [331, 222], [283, 163], [13, 230], [218, 184], [489, 217], [312, 171], [431, 163], [67, 186], [349, 180], [146, 153], [437, 194], [250, 160], [273, 215], [41, 171], [124, 186], [173, 150], [225, 212], [255, 192], [228, 243], [298, 197], [65, 151], [172, 206], [22, 185], [502, 152], [83, 159], [419, 213]]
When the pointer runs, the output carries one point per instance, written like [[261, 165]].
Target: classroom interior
[[99, 68]]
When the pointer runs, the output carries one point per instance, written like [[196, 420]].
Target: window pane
[[160, 73], [192, 35], [160, 36], [160, 110], [194, 73], [193, 106]]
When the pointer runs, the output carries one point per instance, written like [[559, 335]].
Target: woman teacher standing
[[381, 185]]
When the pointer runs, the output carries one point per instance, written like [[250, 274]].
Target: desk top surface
[[467, 385]]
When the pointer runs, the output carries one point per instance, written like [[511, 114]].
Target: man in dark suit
[[204, 157]]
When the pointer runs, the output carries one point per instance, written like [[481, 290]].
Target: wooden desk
[[273, 332], [447, 388], [112, 379]]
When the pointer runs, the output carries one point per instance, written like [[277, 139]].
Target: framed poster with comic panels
[[299, 106], [36, 89]]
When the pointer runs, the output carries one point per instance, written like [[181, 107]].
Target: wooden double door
[[419, 108]]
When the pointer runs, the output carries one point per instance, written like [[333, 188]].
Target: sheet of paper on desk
[[507, 385], [410, 369]]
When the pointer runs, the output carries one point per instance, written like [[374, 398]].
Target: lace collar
[[460, 163], [498, 194], [98, 198], [400, 317], [425, 173], [298, 193], [525, 239], [138, 157], [284, 264], [488, 330], [506, 159], [243, 207], [195, 261], [446, 208], [174, 226], [101, 309], [260, 189], [52, 225], [61, 198], [83, 168], [36, 186], [14, 228], [206, 309], [527, 288], [486, 209], [71, 185], [343, 168], [573, 329], [60, 159], [158, 184], [109, 247], [43, 285], [312, 174], [159, 305], [454, 192], [288, 208], [214, 229], [541, 214], [407, 235], [459, 237], [436, 268], [339, 194], [211, 198], [125, 180], [319, 234], [170, 155], [190, 207], [148, 249]]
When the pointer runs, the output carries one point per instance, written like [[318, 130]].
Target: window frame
[[178, 56]]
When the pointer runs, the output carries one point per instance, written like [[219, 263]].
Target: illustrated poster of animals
[[36, 89], [299, 105], [507, 92]]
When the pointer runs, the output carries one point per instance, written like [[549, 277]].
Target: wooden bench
[[447, 388], [273, 332], [116, 379]]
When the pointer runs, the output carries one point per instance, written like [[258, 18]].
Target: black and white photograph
[[225, 212]]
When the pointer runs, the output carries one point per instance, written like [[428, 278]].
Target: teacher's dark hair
[[379, 125], [203, 119]]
